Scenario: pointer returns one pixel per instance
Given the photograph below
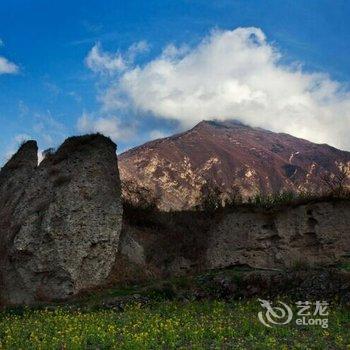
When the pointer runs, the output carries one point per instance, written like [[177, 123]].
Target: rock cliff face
[[314, 234], [174, 243], [60, 221]]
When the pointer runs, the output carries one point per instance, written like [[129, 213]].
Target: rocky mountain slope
[[235, 158]]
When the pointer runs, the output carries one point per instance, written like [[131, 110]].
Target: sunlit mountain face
[[232, 157]]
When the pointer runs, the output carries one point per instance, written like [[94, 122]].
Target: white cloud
[[7, 67], [157, 134], [103, 62], [108, 126], [235, 74], [136, 49], [40, 156]]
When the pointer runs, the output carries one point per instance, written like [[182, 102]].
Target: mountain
[[231, 156]]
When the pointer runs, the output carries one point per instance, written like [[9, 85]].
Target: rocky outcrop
[[317, 233], [176, 243], [60, 221]]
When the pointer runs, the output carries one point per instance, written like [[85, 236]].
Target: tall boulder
[[60, 221]]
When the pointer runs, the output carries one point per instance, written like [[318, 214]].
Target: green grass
[[345, 266], [167, 325], [281, 199]]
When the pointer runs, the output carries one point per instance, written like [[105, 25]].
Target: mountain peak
[[230, 156], [216, 123]]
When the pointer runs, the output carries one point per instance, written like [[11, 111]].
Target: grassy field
[[167, 325]]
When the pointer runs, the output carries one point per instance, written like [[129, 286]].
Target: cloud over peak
[[234, 74]]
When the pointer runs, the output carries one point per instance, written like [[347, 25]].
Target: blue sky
[[81, 66]]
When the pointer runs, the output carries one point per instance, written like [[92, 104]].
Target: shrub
[[336, 183], [61, 180]]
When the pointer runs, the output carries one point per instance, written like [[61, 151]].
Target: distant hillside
[[232, 157]]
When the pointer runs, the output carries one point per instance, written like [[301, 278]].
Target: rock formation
[[317, 233], [60, 221], [60, 228]]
